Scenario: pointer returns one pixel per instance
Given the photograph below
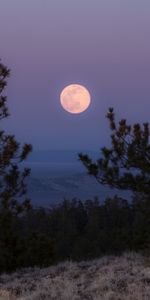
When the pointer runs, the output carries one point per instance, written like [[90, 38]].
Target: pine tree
[[126, 164], [13, 200]]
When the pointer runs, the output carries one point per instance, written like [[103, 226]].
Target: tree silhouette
[[13, 200], [12, 179], [126, 164]]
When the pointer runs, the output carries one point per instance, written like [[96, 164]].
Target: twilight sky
[[48, 44]]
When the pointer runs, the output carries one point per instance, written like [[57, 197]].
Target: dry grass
[[108, 278]]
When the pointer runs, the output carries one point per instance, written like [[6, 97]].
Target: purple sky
[[48, 44]]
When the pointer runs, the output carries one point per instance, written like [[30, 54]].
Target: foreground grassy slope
[[108, 278]]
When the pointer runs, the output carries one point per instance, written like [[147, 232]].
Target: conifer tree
[[13, 200], [124, 165], [12, 179]]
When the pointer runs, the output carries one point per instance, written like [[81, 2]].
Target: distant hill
[[58, 156], [56, 175]]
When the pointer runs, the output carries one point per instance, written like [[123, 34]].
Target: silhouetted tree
[[126, 164], [13, 200]]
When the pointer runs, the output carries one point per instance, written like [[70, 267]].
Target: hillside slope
[[108, 278]]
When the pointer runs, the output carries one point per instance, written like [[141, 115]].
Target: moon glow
[[75, 98]]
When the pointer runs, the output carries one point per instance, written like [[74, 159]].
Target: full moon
[[75, 98]]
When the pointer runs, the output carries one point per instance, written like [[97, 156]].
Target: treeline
[[75, 230]]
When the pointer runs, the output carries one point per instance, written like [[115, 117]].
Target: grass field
[[108, 278]]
